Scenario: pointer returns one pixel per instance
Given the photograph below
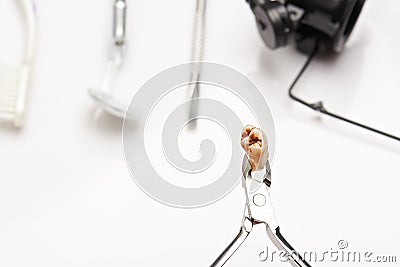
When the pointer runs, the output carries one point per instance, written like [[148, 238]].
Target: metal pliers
[[259, 211]]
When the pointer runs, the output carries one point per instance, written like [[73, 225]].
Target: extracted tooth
[[255, 144]]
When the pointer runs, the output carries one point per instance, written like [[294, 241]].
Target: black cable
[[319, 106]]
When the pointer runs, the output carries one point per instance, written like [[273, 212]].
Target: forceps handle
[[231, 249], [280, 242]]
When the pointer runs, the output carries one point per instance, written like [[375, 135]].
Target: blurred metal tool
[[259, 211], [103, 96], [197, 56]]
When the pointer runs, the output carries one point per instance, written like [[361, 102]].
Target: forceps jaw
[[258, 203], [259, 211], [247, 171]]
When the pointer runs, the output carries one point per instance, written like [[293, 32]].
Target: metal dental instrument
[[197, 56], [103, 96], [259, 211]]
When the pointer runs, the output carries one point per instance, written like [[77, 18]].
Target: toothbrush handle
[[29, 12]]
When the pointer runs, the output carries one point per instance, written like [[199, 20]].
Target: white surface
[[66, 197]]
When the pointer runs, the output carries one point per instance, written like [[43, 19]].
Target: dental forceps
[[259, 211], [103, 96], [197, 56]]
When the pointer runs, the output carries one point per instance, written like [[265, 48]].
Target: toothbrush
[[14, 82]]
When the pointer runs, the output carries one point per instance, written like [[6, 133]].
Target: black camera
[[326, 23]]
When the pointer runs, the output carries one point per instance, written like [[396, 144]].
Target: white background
[[67, 199]]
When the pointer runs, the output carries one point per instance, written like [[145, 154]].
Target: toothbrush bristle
[[8, 92]]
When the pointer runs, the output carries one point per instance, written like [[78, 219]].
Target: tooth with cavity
[[255, 144]]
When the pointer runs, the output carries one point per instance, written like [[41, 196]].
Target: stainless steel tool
[[103, 96], [259, 211], [197, 56]]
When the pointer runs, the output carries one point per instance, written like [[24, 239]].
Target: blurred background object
[[104, 97], [15, 81], [197, 55], [315, 27]]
